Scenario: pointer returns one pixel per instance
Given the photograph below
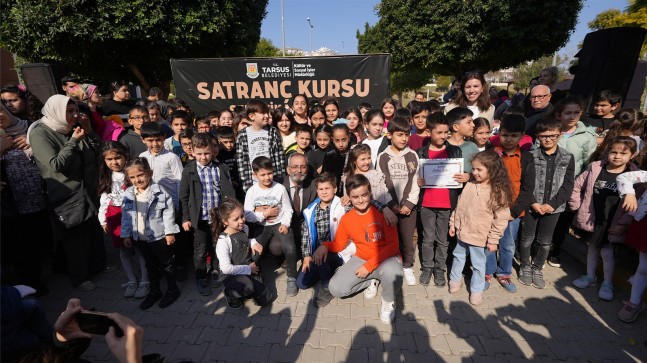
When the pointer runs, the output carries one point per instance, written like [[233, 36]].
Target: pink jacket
[[582, 201]]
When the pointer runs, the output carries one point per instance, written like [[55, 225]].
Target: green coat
[[581, 144]]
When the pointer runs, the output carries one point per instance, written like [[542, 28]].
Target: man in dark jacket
[[540, 107], [300, 188]]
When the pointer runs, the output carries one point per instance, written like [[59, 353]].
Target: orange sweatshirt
[[374, 239]]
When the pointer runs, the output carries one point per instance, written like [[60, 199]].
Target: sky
[[336, 22]]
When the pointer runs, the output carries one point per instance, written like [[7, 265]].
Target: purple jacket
[[582, 201]]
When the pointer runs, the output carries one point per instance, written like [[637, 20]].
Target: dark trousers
[[561, 229], [406, 228], [287, 244], [160, 261], [203, 249], [84, 250], [535, 226], [434, 246], [321, 272], [245, 286]]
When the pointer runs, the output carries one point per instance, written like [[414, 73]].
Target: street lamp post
[[282, 29], [311, 27]]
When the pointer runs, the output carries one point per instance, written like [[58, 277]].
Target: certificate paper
[[439, 173]]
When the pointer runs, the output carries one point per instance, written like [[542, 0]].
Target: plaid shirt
[[210, 179], [245, 165], [322, 223]]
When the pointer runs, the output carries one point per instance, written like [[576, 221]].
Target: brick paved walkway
[[559, 323]]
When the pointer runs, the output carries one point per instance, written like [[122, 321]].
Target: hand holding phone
[[97, 323]]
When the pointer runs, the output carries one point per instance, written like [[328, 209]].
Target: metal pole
[[282, 28], [311, 27]]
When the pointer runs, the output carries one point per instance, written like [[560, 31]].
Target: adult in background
[[539, 108], [455, 87], [548, 77], [119, 103], [155, 94], [66, 150], [67, 82], [473, 94]]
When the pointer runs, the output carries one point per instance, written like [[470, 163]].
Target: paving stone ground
[[559, 323]]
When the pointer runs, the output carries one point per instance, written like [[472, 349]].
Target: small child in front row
[[268, 204], [148, 221], [597, 202], [321, 219], [555, 173], [112, 187], [400, 166], [481, 216], [238, 256]]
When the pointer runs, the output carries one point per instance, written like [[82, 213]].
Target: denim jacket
[[563, 178], [160, 214]]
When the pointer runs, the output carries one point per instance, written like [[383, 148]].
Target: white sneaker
[[371, 291], [409, 277], [142, 290], [387, 312], [131, 287]]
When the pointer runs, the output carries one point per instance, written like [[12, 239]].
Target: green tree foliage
[[265, 48], [452, 36], [443, 83], [634, 16], [107, 40]]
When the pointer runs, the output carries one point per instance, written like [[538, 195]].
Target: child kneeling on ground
[[378, 251], [234, 251]]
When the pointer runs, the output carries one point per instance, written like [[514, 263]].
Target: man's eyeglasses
[[548, 137], [539, 97]]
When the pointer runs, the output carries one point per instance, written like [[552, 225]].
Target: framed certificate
[[439, 173]]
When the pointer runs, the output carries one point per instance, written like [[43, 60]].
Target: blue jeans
[[477, 256], [323, 272], [506, 252]]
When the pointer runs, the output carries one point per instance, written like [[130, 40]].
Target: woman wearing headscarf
[[66, 151], [26, 227]]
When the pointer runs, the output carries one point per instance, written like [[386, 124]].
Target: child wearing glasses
[[554, 178], [132, 139]]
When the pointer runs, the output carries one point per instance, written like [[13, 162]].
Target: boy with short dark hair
[[461, 127], [364, 107], [521, 172], [205, 184], [132, 139], [303, 135], [321, 219], [180, 120], [400, 166], [202, 124], [555, 177], [419, 113], [606, 103], [377, 255], [436, 205], [187, 146], [227, 155], [268, 204]]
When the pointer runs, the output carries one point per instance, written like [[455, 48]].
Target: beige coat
[[475, 223]]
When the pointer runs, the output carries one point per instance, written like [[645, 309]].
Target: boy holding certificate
[[436, 204]]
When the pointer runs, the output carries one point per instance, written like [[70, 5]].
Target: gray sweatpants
[[344, 282]]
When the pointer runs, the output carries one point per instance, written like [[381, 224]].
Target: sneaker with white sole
[[585, 281], [629, 312], [142, 290], [131, 287], [455, 286], [387, 312], [606, 291], [371, 291], [409, 276]]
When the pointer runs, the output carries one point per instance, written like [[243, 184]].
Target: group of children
[[359, 232]]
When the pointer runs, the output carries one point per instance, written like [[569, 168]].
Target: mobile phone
[[97, 323]]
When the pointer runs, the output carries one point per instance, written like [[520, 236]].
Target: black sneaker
[[538, 279], [204, 288], [150, 299], [425, 276], [169, 298], [235, 302], [323, 298], [554, 261], [439, 277], [216, 279], [525, 275]]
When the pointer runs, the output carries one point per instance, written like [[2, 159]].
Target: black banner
[[209, 84]]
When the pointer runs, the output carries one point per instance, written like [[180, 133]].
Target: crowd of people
[[337, 196]]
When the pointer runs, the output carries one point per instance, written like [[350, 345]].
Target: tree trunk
[[140, 77]]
